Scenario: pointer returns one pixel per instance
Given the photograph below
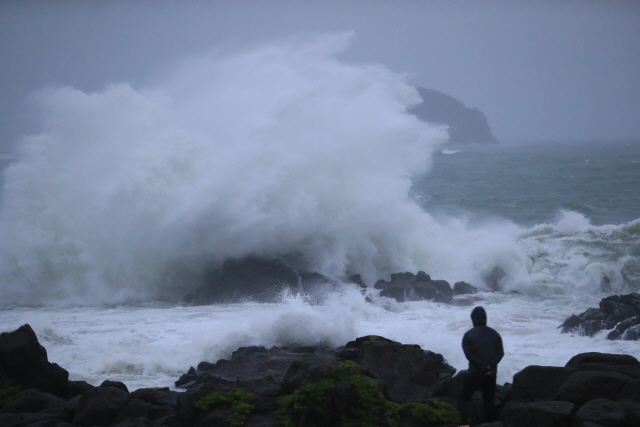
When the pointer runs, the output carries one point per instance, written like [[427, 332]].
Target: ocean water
[[128, 196]]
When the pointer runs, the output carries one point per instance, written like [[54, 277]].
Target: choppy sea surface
[[127, 197]]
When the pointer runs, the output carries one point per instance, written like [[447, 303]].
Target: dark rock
[[632, 410], [306, 371], [264, 387], [252, 364], [463, 288], [246, 351], [137, 408], [606, 359], [40, 419], [248, 278], [157, 396], [464, 124], [409, 287], [592, 389], [356, 279], [583, 386], [116, 384], [409, 372], [604, 412], [24, 363], [33, 401], [396, 292], [631, 391], [590, 381], [628, 329], [538, 383], [76, 388], [100, 406], [621, 312], [317, 287], [534, 414]]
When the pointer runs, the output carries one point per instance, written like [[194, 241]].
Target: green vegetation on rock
[[239, 400], [8, 395], [345, 397]]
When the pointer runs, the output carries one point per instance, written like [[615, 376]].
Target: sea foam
[[278, 151], [135, 193]]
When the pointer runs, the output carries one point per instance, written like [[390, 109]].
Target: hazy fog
[[539, 70]]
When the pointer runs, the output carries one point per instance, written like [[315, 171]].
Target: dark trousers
[[487, 385]]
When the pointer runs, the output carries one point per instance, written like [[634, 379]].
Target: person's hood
[[479, 316]]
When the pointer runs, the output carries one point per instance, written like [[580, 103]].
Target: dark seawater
[[531, 183]]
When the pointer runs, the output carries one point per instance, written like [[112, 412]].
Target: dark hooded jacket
[[482, 345]]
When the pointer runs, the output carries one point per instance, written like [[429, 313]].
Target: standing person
[[482, 346]]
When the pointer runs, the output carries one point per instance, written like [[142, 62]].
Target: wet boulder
[[538, 383], [583, 386], [415, 287], [251, 277], [535, 414], [100, 406], [464, 288], [619, 313], [592, 389], [603, 412]]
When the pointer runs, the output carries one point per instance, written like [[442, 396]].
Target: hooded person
[[482, 346]]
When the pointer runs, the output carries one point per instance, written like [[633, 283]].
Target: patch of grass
[[314, 405], [239, 400], [8, 395], [435, 413]]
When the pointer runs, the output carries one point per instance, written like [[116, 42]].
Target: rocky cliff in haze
[[465, 124]]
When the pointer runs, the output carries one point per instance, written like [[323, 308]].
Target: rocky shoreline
[[371, 381], [264, 280]]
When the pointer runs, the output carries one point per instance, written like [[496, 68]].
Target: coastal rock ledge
[[371, 381], [620, 314], [265, 280]]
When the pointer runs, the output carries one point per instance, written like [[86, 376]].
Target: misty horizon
[[539, 71]]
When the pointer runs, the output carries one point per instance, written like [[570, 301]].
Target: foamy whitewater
[[130, 195]]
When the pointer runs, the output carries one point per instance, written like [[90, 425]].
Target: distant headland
[[466, 125]]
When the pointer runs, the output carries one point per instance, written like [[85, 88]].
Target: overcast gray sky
[[539, 70]]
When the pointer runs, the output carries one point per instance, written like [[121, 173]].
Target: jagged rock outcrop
[[264, 280], [592, 389], [618, 313], [24, 362], [408, 372], [417, 287], [465, 124], [251, 277]]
